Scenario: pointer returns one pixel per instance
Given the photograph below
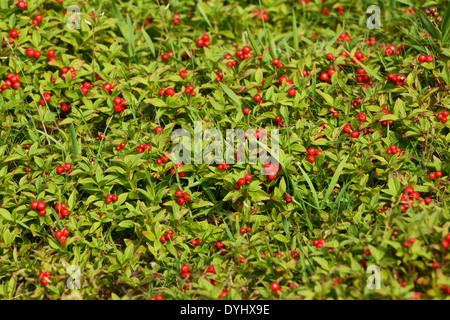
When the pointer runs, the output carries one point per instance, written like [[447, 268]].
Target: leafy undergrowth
[[373, 191]]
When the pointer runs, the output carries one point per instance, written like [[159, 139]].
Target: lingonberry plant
[[88, 177]]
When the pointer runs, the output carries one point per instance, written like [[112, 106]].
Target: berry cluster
[[223, 166], [219, 245], [278, 121], [313, 153], [196, 242], [62, 235], [409, 200], [386, 122], [100, 137], [231, 64], [111, 197], [157, 297], [433, 12], [144, 147], [219, 77], [409, 242], [244, 53], [371, 41], [242, 181], [203, 41], [358, 56], [180, 174], [319, 243], [166, 56], [389, 51], [393, 149], [62, 210], [363, 77], [47, 98], [85, 87], [65, 168], [65, 70], [326, 76], [185, 271], [51, 55], [353, 133], [423, 58], [434, 175], [39, 205], [182, 196], [32, 53], [190, 90], [108, 86], [162, 159], [12, 80], [245, 230], [276, 62], [176, 18], [22, 4], [167, 236], [121, 146], [443, 116], [168, 91], [44, 275], [271, 170], [261, 14], [38, 19]]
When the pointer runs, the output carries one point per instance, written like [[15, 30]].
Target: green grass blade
[[333, 182], [73, 137], [230, 93]]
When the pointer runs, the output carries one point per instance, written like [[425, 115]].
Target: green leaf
[[428, 25], [5, 214], [73, 137], [126, 224], [230, 93], [200, 5], [333, 182], [149, 42]]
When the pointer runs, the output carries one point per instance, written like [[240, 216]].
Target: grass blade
[[294, 30], [73, 137], [230, 93], [149, 42], [311, 186], [334, 180]]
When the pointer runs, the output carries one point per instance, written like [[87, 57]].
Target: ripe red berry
[[248, 177], [275, 286], [241, 181], [185, 268]]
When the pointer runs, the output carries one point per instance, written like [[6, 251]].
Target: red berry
[[185, 268], [275, 286]]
